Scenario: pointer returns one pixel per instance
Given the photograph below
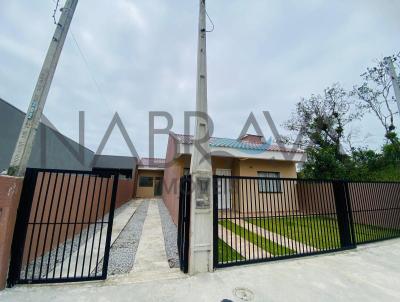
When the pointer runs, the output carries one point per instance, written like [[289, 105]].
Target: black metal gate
[[184, 222], [259, 219], [63, 227]]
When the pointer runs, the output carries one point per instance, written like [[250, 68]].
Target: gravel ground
[[44, 264], [170, 232], [123, 251]]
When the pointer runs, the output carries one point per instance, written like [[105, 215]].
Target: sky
[[137, 56]]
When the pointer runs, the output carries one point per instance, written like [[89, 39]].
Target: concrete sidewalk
[[369, 273]]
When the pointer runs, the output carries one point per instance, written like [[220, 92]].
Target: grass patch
[[258, 240], [319, 232], [226, 253], [366, 233]]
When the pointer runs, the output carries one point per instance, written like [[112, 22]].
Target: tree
[[319, 123], [375, 95], [320, 120]]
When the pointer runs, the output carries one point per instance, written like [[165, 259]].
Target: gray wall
[[51, 149]]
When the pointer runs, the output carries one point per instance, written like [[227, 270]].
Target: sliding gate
[[260, 219], [63, 227]]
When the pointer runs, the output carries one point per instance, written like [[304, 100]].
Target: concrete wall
[[147, 192], [50, 149], [125, 191], [172, 173], [10, 191]]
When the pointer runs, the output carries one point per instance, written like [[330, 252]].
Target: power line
[[55, 11], [82, 55], [212, 23]]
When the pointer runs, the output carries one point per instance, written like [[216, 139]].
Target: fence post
[[343, 211], [184, 222], [215, 221]]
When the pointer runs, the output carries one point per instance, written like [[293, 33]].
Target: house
[[249, 155], [124, 165], [149, 176]]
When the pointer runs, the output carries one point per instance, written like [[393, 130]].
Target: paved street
[[369, 273]]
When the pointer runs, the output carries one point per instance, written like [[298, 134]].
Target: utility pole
[[201, 220], [29, 128], [395, 80]]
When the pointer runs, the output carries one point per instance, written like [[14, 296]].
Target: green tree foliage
[[321, 121]]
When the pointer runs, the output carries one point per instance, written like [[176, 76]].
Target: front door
[[158, 186], [224, 189]]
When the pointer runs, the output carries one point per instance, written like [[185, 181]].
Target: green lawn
[[319, 232], [366, 233], [226, 253], [268, 245], [316, 231]]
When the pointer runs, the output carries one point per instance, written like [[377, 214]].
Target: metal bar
[[75, 222], [109, 226], [88, 228], [95, 226], [40, 228], [47, 226], [215, 221], [33, 227], [54, 227], [66, 233], [62, 219], [101, 227]]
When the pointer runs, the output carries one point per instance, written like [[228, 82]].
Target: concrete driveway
[[369, 273]]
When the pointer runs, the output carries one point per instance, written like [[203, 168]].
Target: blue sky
[[141, 57]]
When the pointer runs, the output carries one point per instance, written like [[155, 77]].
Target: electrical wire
[[82, 55], [55, 11], [212, 23]]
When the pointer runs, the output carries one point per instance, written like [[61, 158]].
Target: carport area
[[370, 273]]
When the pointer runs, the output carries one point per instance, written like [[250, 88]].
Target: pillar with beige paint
[[10, 192]]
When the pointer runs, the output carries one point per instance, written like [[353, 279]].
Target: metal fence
[[376, 210], [184, 222], [260, 219], [63, 228]]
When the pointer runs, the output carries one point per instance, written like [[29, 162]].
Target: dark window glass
[[145, 181]]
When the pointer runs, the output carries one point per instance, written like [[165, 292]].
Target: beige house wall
[[244, 199], [147, 192], [245, 195]]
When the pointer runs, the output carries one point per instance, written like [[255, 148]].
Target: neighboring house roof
[[114, 162], [152, 163], [51, 149], [238, 144]]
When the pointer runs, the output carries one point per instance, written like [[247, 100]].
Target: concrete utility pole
[[201, 220], [26, 137], [395, 80]]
